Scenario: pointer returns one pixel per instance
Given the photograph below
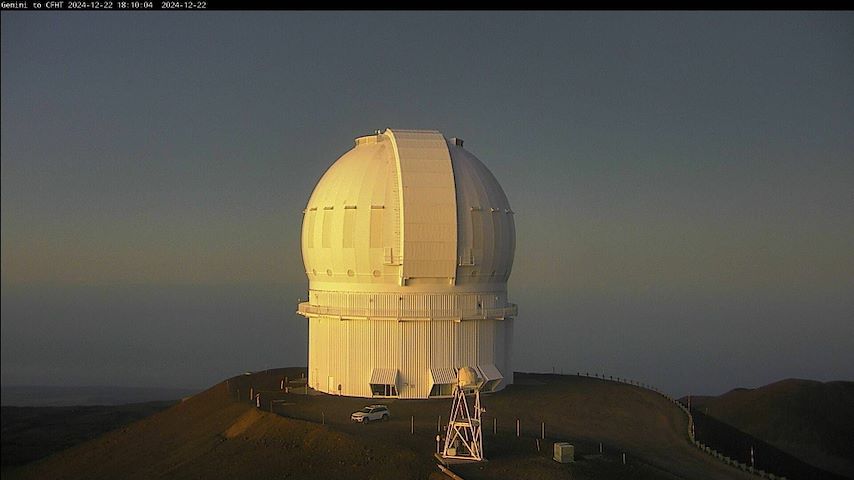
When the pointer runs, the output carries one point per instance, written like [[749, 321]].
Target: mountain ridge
[[812, 420]]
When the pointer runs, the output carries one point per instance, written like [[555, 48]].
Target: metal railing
[[690, 432], [510, 310]]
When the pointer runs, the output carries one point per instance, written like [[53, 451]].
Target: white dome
[[449, 223], [408, 243]]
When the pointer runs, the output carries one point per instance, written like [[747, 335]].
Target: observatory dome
[[408, 243], [451, 210]]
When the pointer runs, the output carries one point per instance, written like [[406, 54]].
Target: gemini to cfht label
[[106, 5]]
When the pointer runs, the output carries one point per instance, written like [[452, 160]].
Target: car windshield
[[365, 410]]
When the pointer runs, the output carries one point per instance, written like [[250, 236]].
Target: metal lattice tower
[[464, 440]]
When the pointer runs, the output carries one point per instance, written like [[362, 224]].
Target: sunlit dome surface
[[408, 242], [359, 228]]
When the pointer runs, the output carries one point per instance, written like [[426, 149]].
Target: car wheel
[[385, 418]]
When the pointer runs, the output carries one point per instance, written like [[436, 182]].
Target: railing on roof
[[309, 310]]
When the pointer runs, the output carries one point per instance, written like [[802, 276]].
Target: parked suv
[[371, 413]]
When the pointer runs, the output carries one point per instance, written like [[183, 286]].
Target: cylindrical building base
[[411, 358]]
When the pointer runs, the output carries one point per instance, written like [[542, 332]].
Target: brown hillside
[[811, 420], [214, 435], [31, 433]]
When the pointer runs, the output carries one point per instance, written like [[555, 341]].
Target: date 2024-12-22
[[137, 4]]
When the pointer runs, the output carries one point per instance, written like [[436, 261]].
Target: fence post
[[412, 425], [494, 425], [543, 430], [439, 425], [517, 427]]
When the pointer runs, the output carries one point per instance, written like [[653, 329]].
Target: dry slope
[[811, 420], [215, 435]]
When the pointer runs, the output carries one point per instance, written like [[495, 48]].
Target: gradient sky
[[683, 184]]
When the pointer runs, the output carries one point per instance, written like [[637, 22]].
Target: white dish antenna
[[468, 379]]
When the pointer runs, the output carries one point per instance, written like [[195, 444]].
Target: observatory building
[[408, 243]]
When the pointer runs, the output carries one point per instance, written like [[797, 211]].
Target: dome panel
[[345, 225], [486, 228], [428, 206]]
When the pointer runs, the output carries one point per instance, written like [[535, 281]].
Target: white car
[[371, 413]]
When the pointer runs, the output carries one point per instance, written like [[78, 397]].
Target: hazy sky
[[683, 184]]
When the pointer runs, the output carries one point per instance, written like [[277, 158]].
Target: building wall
[[345, 351]]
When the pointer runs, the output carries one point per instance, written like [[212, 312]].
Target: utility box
[[564, 452]]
